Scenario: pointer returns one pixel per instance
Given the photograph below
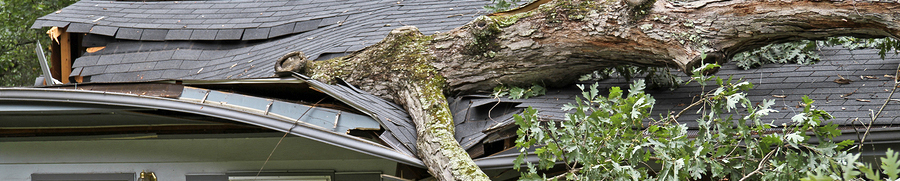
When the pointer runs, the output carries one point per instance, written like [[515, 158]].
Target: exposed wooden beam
[[65, 49], [54, 61]]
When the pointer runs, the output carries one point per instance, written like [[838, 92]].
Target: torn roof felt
[[871, 86], [213, 40]]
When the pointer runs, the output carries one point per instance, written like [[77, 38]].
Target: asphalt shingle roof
[[240, 39]]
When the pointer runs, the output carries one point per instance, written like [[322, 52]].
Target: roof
[[850, 104], [211, 40]]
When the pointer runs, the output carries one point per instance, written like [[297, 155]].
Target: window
[[280, 178], [307, 175], [84, 177]]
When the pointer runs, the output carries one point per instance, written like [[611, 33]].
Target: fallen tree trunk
[[563, 39]]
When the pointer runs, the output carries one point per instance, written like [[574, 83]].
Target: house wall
[[172, 159]]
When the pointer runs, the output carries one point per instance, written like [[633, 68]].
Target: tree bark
[[563, 39]]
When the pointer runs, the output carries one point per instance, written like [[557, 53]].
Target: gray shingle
[[332, 20], [281, 30], [232, 34], [204, 34], [109, 59], [160, 55], [79, 28], [93, 70], [134, 57], [148, 46], [212, 54], [56, 23], [154, 35], [76, 72], [175, 74], [117, 68], [193, 64], [179, 34], [150, 75], [186, 54], [38, 24], [104, 30], [85, 61], [221, 6], [142, 66], [256, 34], [168, 64]]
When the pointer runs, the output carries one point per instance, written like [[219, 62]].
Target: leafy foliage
[[804, 52], [613, 137], [518, 92], [656, 77], [18, 62], [882, 44], [800, 52], [501, 5]]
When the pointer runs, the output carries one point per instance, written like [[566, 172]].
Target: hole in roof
[[493, 110]]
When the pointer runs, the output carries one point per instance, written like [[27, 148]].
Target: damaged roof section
[[323, 118], [213, 40], [484, 122], [400, 133]]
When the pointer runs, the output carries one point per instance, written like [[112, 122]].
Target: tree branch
[[760, 166]]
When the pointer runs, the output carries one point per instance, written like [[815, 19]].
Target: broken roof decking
[[400, 133], [317, 28], [770, 81]]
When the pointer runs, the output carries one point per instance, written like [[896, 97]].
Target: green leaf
[[869, 173], [817, 177], [845, 143], [614, 92], [890, 166], [516, 93], [794, 139]]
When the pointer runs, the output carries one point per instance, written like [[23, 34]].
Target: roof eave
[[269, 122]]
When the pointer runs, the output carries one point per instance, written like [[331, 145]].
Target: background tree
[[19, 64]]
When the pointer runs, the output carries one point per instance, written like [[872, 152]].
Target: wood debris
[[94, 49], [842, 80], [779, 96], [54, 33], [863, 100], [870, 77], [848, 94]]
